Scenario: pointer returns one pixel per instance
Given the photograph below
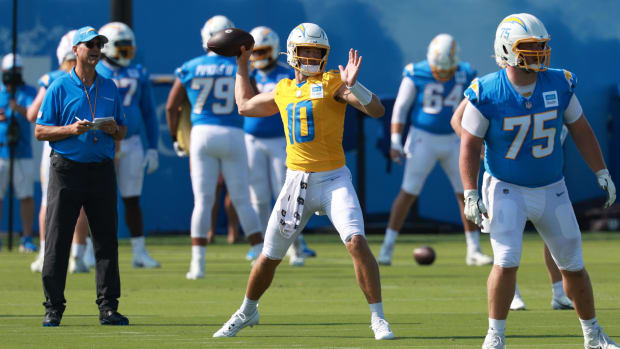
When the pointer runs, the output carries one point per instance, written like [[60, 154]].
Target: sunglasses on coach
[[93, 43]]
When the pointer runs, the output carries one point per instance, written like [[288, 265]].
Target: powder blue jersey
[[24, 95], [65, 101], [210, 84], [271, 126], [522, 142], [436, 100], [46, 80], [137, 98]]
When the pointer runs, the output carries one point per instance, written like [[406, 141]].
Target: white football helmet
[[64, 52], [265, 39], [443, 56], [522, 28], [121, 45], [307, 35], [212, 26]]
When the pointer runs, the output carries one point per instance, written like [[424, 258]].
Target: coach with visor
[[81, 117]]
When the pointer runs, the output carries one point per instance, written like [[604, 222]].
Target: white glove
[[151, 161], [474, 208], [605, 182], [179, 150], [396, 145]]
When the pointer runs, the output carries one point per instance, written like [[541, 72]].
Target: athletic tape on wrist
[[361, 93]]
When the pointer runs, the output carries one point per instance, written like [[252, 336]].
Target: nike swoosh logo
[[559, 194], [109, 99]]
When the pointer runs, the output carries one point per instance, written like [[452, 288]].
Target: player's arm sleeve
[[182, 73], [404, 100], [474, 122], [574, 111], [147, 108]]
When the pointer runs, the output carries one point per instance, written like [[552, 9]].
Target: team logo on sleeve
[[551, 99]]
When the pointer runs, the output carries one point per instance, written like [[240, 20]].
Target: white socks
[[248, 307], [42, 247], [376, 311], [558, 290], [77, 250], [199, 253], [498, 326], [588, 325], [473, 241], [390, 236], [137, 245]]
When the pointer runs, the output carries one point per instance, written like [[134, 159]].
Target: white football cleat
[[597, 339], [37, 265], [561, 303], [144, 260], [381, 329], [517, 303], [236, 323], [77, 266], [196, 271], [494, 341], [385, 255], [478, 259]]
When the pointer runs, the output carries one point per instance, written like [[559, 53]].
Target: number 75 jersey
[[209, 81], [313, 122], [436, 100], [522, 141]]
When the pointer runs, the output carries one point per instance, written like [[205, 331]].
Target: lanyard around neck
[[90, 105]]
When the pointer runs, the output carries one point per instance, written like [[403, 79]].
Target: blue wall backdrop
[[389, 34]]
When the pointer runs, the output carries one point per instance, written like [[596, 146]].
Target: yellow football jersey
[[313, 122]]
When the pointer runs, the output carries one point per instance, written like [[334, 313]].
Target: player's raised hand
[[244, 57], [348, 74]]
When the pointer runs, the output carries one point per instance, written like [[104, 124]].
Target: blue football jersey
[[47, 79], [436, 101], [270, 126], [134, 87], [210, 84], [522, 142]]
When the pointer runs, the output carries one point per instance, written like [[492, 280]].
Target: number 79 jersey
[[313, 122], [209, 81], [522, 141], [436, 100]]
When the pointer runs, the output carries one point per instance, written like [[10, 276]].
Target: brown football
[[424, 255], [228, 42]]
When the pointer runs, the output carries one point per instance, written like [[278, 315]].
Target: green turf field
[[317, 306]]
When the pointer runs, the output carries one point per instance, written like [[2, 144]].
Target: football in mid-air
[[228, 42], [424, 255]]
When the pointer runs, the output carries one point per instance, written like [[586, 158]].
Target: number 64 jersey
[[522, 135], [435, 100], [313, 122]]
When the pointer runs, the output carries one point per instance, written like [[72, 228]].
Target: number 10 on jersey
[[294, 115]]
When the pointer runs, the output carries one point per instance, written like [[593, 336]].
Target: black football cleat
[[112, 317], [52, 318]]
